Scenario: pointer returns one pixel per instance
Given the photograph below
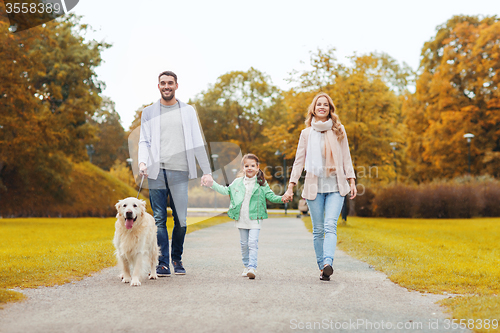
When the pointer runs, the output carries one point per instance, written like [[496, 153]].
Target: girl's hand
[[207, 181]]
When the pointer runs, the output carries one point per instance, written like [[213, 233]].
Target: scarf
[[315, 152]]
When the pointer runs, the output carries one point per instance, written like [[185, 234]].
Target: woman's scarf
[[315, 152]]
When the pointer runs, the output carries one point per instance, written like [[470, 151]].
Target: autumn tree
[[366, 94], [238, 107], [458, 92], [49, 89], [110, 143]]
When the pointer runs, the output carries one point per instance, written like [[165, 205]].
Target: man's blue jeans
[[325, 211], [174, 184]]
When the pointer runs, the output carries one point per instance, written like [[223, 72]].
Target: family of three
[[171, 140]]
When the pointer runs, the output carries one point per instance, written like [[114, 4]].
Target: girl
[[248, 196], [324, 150]]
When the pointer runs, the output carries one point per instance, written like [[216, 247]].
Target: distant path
[[286, 296]]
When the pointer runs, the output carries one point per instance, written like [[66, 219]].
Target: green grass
[[48, 251], [458, 256]]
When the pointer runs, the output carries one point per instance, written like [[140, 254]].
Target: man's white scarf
[[315, 151]]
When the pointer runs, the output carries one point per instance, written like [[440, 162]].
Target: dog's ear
[[143, 204], [117, 206]]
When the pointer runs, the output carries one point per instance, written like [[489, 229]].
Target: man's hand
[[143, 170], [207, 180]]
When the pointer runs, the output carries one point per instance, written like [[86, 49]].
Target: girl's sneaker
[[245, 272], [251, 273]]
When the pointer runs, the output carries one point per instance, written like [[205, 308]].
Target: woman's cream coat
[[343, 165]]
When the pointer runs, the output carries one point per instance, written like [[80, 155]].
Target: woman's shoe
[[323, 277], [245, 272], [327, 270]]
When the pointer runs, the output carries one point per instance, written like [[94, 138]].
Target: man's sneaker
[[251, 273], [245, 272], [178, 269], [163, 271]]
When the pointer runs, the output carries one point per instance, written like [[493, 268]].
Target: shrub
[[363, 203], [490, 197], [396, 201], [447, 201], [92, 192]]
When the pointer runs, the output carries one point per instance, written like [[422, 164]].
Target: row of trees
[[52, 110], [455, 91]]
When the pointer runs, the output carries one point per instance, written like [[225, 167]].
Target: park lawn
[[456, 256], [48, 251]]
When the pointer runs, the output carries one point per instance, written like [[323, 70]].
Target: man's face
[[167, 87]]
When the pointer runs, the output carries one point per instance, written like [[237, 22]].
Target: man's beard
[[168, 98]]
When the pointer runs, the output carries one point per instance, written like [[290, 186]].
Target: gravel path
[[286, 296]]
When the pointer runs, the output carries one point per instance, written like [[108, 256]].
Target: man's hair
[[168, 73]]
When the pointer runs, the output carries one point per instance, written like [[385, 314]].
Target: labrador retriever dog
[[135, 241]]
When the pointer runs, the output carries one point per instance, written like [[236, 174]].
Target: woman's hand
[[288, 196], [354, 190]]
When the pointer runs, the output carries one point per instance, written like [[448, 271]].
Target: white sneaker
[[251, 273], [245, 272]]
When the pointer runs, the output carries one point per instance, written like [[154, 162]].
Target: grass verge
[[49, 251], [458, 256]]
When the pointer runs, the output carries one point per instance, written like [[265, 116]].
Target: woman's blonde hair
[[337, 126]]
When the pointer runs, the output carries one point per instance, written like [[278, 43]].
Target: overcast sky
[[202, 40]]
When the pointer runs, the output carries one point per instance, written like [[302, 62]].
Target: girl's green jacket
[[236, 191]]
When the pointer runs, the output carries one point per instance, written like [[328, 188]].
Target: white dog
[[135, 241]]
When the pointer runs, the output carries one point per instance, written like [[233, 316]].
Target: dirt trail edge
[[286, 296]]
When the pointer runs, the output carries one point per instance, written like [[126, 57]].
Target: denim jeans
[[325, 211], [174, 184], [249, 239]]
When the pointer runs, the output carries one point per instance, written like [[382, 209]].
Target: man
[[170, 139]]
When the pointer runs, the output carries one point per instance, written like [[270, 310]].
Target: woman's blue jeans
[[174, 184], [325, 211], [249, 240]]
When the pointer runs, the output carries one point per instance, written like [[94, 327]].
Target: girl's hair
[[337, 126], [260, 175]]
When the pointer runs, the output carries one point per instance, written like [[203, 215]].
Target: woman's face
[[322, 109], [250, 167]]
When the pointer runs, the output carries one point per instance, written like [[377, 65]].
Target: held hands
[[288, 196], [207, 180]]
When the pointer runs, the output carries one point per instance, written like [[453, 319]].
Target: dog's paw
[[126, 279], [135, 282], [153, 276], [121, 276]]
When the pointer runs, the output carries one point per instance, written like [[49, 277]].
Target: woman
[[324, 150]]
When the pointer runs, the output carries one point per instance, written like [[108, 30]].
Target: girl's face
[[322, 109], [250, 167]]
